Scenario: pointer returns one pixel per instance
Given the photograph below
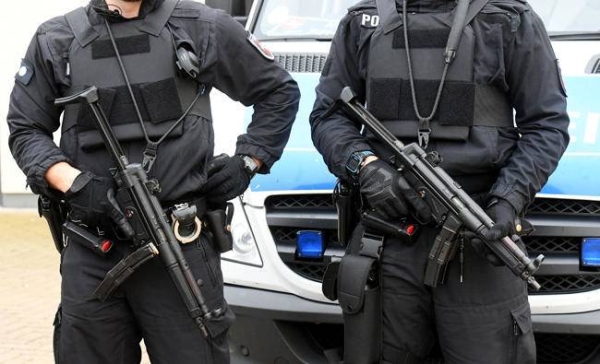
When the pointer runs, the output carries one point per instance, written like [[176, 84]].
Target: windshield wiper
[[588, 35], [293, 38]]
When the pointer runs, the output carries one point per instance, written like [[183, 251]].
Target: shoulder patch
[[264, 51], [25, 72]]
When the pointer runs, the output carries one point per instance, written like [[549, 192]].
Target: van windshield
[[569, 16], [318, 19], [300, 19]]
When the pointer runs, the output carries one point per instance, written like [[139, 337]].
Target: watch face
[[250, 164], [354, 163], [355, 160]]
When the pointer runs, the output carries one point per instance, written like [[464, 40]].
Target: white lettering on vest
[[370, 21]]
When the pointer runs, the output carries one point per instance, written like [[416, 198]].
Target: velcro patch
[[264, 51], [421, 38], [25, 72], [137, 44]]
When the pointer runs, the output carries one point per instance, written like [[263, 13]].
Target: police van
[[282, 315]]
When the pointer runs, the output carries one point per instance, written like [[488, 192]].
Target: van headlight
[[245, 250]]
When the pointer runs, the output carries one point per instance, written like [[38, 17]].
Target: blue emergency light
[[589, 254], [309, 244]]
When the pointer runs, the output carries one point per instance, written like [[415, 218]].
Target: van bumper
[[276, 327]]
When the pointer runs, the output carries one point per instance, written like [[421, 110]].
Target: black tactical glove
[[227, 178], [505, 224], [389, 194], [92, 202]]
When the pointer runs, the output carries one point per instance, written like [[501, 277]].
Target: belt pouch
[[219, 223]]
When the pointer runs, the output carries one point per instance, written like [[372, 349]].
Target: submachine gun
[[151, 232], [451, 206]]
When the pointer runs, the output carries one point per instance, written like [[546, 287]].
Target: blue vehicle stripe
[[578, 174]]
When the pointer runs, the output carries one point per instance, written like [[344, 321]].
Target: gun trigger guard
[[188, 238]]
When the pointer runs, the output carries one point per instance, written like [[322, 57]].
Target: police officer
[[154, 63], [392, 54]]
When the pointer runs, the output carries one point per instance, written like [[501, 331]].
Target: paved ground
[[29, 288]]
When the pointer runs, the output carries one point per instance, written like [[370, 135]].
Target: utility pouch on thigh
[[360, 300], [359, 295]]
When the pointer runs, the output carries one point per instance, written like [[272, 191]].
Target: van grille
[[301, 62], [539, 205], [555, 244], [560, 348], [300, 202], [550, 206], [568, 284], [300, 212]]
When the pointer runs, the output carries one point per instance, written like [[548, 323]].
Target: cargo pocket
[[523, 340], [56, 335], [205, 264], [210, 260]]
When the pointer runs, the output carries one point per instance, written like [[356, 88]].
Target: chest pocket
[[158, 104]]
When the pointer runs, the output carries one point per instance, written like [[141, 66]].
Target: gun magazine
[[120, 272]]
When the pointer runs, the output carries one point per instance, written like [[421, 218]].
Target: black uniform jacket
[[230, 62], [512, 53]]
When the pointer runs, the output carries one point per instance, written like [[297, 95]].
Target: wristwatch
[[355, 161], [250, 165]]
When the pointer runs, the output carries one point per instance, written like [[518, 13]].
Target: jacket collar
[[154, 14], [147, 7]]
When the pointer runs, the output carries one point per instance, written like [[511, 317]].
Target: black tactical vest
[[147, 48], [463, 103]]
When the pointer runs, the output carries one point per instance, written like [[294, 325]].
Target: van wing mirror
[[241, 19]]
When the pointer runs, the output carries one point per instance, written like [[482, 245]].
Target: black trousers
[[146, 306], [484, 319]]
